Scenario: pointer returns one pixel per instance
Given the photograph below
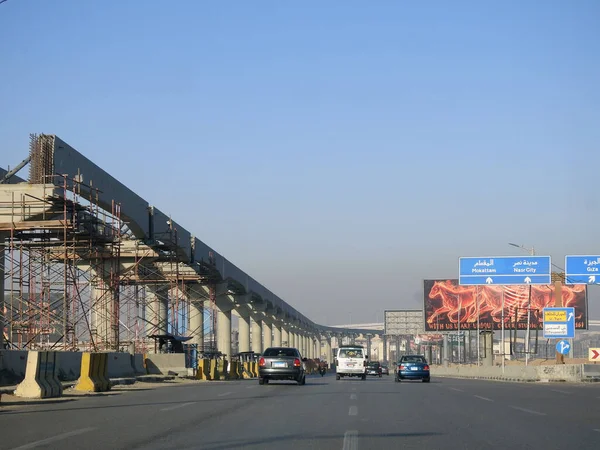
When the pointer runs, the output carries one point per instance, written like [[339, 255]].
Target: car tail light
[[400, 367], [261, 362], [426, 367], [297, 363]]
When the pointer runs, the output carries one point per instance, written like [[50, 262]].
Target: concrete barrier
[[69, 365], [119, 365], [247, 370], [166, 364], [138, 364], [561, 372], [591, 372], [214, 370], [93, 373], [13, 364], [203, 367], [41, 377], [232, 373], [222, 367]]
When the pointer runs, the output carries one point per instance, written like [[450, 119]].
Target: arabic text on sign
[[555, 316], [557, 329]]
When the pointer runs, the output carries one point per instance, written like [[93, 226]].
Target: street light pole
[[531, 250]]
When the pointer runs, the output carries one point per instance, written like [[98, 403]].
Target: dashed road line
[[483, 398], [224, 394], [530, 411], [560, 392], [352, 396], [58, 437], [456, 389], [181, 405], [353, 411], [350, 440]]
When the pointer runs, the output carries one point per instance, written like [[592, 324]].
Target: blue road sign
[[504, 270], [582, 269], [559, 323], [563, 347]]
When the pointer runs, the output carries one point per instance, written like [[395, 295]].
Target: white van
[[351, 361]]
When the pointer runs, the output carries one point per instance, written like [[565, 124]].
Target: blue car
[[413, 367]]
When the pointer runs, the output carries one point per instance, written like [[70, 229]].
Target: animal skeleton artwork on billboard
[[448, 304]]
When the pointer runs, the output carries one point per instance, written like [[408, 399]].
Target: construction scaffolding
[[75, 276]]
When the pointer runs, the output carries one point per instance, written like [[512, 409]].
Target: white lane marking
[[350, 440], [224, 394], [559, 391], [597, 429], [484, 398], [530, 411], [58, 437], [456, 389], [172, 408], [352, 396], [353, 411]]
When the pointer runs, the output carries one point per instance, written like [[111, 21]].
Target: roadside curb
[[518, 380]]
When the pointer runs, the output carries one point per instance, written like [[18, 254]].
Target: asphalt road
[[323, 414]]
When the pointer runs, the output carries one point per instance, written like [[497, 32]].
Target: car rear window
[[413, 359], [280, 352], [351, 353]]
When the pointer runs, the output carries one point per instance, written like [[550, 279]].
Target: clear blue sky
[[339, 152]]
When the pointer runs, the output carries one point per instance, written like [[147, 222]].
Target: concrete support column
[[276, 335], [328, 355], [267, 334], [224, 307], [293, 342], [244, 331], [224, 332], [103, 314], [369, 346], [196, 331], [157, 308], [257, 346], [285, 337], [318, 351], [2, 344]]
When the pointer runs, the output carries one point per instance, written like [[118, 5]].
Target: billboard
[[447, 302], [403, 322]]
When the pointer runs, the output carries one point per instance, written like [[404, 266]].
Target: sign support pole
[[503, 345], [478, 339], [560, 359]]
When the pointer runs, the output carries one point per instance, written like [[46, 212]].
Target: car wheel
[[379, 375], [364, 377], [261, 381], [426, 380], [397, 379], [337, 377]]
